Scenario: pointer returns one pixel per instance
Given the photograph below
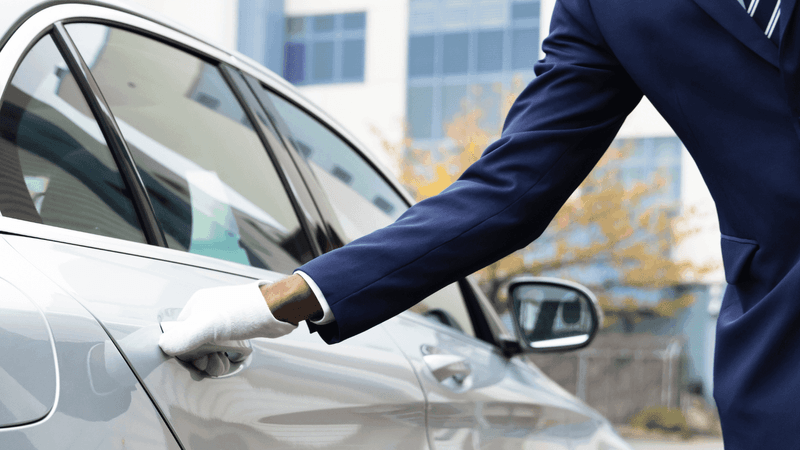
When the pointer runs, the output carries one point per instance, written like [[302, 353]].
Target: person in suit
[[724, 74]]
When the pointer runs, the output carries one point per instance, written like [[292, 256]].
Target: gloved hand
[[215, 364], [222, 314]]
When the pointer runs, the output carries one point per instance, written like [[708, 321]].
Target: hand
[[222, 314], [215, 364]]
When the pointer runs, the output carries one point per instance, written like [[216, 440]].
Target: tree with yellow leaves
[[616, 238]]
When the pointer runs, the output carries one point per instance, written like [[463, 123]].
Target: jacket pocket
[[736, 255]]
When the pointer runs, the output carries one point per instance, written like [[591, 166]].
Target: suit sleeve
[[554, 134]]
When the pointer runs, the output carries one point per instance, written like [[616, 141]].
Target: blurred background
[[425, 85]]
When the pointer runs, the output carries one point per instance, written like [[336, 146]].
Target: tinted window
[[212, 184], [295, 26], [354, 21], [524, 48], [294, 60], [420, 56], [323, 61], [55, 166], [446, 306], [488, 101], [323, 23], [420, 112], [353, 59], [527, 10], [325, 49], [490, 51], [362, 200], [455, 53], [452, 99]]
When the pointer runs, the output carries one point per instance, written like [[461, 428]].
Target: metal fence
[[620, 375]]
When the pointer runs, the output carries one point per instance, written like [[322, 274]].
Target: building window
[[455, 53], [476, 49], [421, 56], [325, 49], [524, 34], [525, 10], [481, 53], [524, 47], [490, 51], [453, 98], [420, 112], [353, 59]]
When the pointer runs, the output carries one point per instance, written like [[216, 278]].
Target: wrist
[[291, 300]]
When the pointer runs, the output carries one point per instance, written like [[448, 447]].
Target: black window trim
[[146, 33], [330, 219], [239, 87], [110, 129], [330, 231], [228, 73]]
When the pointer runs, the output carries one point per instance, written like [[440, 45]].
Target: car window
[[213, 186], [55, 165], [362, 199]]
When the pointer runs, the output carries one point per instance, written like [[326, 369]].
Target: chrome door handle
[[447, 366], [237, 351]]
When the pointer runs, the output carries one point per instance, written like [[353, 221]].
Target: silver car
[[138, 164]]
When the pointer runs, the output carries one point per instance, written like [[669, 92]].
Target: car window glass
[[55, 165], [362, 200], [446, 306], [213, 186]]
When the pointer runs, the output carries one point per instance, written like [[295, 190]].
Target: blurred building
[[391, 69], [215, 20]]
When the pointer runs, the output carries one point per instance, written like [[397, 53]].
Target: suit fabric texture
[[731, 95]]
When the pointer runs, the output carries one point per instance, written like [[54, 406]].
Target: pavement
[[694, 444]]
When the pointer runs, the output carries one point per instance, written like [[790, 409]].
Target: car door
[[223, 215], [476, 396], [55, 388]]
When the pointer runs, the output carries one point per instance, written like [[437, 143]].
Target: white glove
[[222, 314], [215, 364]]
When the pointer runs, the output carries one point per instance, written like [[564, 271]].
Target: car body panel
[[89, 413], [28, 389], [496, 405], [295, 391]]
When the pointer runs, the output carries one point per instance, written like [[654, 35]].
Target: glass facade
[[466, 54], [325, 48], [260, 32]]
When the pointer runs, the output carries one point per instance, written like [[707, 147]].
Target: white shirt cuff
[[327, 314]]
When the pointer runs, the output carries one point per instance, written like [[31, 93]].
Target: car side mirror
[[552, 314]]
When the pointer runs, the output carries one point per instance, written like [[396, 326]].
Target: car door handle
[[237, 351], [448, 366]]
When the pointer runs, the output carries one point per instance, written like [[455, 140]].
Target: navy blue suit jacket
[[732, 97]]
